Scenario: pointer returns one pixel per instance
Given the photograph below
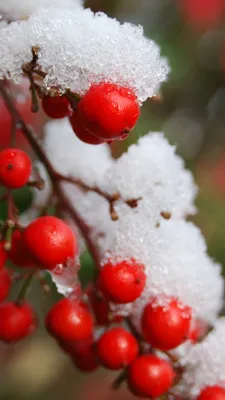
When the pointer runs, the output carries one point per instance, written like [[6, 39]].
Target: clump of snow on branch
[[152, 171], [79, 48], [205, 363], [16, 10], [173, 251]]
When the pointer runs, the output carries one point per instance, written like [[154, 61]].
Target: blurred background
[[190, 110]]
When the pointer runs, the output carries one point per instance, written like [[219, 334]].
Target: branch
[[119, 380], [33, 141], [25, 287]]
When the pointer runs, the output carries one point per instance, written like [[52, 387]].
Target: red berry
[[81, 132], [166, 327], [100, 307], [150, 376], [83, 354], [117, 348], [19, 254], [3, 255], [197, 331], [108, 111], [5, 284], [70, 320], [56, 107], [212, 393], [15, 168], [16, 321], [123, 282], [203, 14], [50, 241]]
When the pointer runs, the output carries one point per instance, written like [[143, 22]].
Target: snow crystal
[[14, 9], [151, 170], [78, 48], [66, 279], [73, 158], [175, 259], [205, 363]]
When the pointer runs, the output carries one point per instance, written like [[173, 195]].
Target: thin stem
[[119, 380], [32, 139], [11, 207], [34, 98], [110, 198], [24, 290]]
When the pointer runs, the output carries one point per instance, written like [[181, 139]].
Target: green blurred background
[[190, 110]]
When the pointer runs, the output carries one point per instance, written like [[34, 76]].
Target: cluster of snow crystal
[[176, 263], [66, 279], [15, 10], [78, 48], [73, 158], [205, 363], [151, 170]]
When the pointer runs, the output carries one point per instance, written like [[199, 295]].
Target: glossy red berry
[[122, 282], [212, 393], [19, 253], [5, 284], [117, 348], [69, 320], [56, 107], [81, 132], [3, 255], [166, 327], [108, 111], [15, 168], [202, 14], [83, 354], [50, 241], [16, 321], [150, 376], [100, 307]]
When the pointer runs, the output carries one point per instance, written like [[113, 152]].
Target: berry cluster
[[106, 112], [157, 291]]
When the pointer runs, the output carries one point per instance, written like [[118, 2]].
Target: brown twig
[[33, 89], [111, 199], [38, 184], [119, 380], [33, 140], [12, 210], [25, 287]]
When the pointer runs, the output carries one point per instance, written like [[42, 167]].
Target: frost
[[205, 363], [151, 170], [78, 48], [14, 10]]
